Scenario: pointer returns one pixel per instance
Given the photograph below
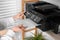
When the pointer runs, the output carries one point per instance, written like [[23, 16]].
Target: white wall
[[56, 2]]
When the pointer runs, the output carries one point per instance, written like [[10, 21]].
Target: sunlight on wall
[[56, 2]]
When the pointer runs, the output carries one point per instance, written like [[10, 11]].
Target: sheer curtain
[[9, 7]]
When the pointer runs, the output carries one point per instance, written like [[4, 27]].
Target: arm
[[6, 38], [9, 35]]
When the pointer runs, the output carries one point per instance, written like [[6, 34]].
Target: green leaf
[[36, 37]]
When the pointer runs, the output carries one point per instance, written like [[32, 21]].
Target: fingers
[[19, 15], [21, 26], [18, 28]]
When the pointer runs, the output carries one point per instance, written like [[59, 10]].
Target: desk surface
[[27, 23]]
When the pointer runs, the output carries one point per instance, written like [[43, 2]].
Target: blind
[[9, 8]]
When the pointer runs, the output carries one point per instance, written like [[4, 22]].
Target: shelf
[[30, 0]]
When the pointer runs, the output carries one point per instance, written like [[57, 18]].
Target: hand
[[19, 16], [17, 28], [21, 27]]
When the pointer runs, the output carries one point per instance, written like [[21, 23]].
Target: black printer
[[44, 13]]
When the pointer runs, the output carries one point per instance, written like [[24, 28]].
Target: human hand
[[17, 28], [19, 16]]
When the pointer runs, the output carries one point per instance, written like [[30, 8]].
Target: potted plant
[[36, 37]]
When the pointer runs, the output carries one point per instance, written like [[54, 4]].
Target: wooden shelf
[[30, 0]]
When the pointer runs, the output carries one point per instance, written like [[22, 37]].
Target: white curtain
[[9, 7]]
